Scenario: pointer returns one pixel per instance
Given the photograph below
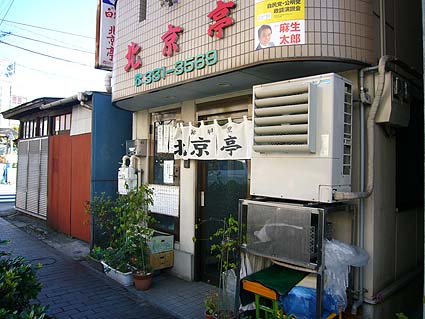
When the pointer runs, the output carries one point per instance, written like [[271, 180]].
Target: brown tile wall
[[340, 29]]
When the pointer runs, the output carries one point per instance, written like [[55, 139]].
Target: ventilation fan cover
[[302, 138]]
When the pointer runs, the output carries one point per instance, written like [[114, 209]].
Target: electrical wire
[[43, 35], [7, 12], [3, 6], [39, 41], [46, 55], [53, 30], [54, 74]]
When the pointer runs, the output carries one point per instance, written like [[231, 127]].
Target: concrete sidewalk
[[64, 262]]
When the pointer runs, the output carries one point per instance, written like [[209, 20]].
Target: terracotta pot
[[142, 281], [208, 316]]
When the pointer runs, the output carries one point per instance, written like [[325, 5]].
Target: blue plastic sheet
[[301, 302]]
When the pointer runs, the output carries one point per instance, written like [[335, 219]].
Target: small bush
[[18, 286]]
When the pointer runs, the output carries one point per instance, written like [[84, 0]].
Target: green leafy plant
[[211, 303], [225, 247], [97, 253], [103, 219], [401, 315], [18, 286], [129, 232], [31, 312]]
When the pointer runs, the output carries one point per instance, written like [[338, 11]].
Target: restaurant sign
[[206, 142]]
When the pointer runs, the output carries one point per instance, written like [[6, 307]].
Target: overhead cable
[[53, 30], [44, 36], [48, 43], [46, 55], [6, 12]]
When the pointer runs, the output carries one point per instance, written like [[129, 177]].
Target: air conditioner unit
[[302, 138]]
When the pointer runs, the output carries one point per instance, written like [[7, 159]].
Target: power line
[[52, 74], [7, 12], [4, 5], [56, 45], [64, 32], [46, 55], [43, 36]]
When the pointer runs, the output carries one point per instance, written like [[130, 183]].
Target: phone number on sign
[[180, 67]]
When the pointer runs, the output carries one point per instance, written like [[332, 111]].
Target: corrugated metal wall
[[59, 200], [31, 186], [69, 184], [80, 185]]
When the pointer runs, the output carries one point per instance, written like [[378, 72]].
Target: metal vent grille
[[284, 119], [348, 110]]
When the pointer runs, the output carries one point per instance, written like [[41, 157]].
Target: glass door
[[221, 185]]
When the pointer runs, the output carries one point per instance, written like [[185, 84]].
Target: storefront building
[[189, 67]]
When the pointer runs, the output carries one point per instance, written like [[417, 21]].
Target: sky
[[33, 26]]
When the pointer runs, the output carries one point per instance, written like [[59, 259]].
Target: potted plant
[[224, 247], [142, 270], [133, 232], [116, 265], [210, 304]]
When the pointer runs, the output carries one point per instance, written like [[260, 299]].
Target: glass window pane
[[45, 126], [68, 122], [57, 120], [31, 129], [62, 122]]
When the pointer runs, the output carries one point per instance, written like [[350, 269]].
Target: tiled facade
[[335, 29]]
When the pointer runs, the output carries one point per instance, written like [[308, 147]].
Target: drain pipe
[[370, 127], [370, 134], [364, 98], [423, 62]]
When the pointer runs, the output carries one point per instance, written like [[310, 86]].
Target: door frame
[[235, 107]]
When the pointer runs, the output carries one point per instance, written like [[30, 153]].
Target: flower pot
[[208, 316], [142, 281], [94, 263], [125, 279]]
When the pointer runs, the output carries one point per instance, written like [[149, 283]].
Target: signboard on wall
[[165, 200], [279, 23], [105, 34]]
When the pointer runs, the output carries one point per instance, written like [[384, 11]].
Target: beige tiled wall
[[340, 29]]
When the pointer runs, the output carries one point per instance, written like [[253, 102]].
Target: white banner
[[181, 142], [234, 140], [202, 141], [212, 142]]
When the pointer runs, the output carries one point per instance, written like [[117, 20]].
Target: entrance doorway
[[221, 185]]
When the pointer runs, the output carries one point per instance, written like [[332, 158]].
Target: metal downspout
[[360, 225], [423, 62]]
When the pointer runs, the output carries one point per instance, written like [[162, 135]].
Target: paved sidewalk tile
[[72, 290]]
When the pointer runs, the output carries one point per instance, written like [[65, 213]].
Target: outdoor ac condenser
[[302, 138]]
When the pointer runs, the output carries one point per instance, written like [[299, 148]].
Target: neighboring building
[[64, 154], [198, 61], [8, 99]]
